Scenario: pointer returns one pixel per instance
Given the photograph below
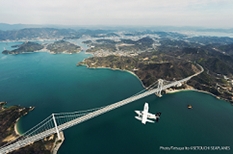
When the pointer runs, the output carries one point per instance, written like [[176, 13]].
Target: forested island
[[54, 48], [25, 48], [63, 47]]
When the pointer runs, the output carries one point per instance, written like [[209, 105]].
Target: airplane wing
[[138, 112], [151, 116], [148, 120], [144, 116], [139, 118]]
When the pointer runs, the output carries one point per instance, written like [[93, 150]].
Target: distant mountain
[[7, 27], [49, 33], [97, 32], [36, 33]]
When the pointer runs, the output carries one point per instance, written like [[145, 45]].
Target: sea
[[54, 83]]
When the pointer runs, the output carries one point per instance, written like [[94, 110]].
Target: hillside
[[36, 33], [63, 47], [24, 48], [172, 57]]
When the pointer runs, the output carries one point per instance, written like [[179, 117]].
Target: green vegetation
[[24, 48], [37, 33], [104, 47], [8, 117], [125, 45], [173, 59], [63, 47], [147, 69]]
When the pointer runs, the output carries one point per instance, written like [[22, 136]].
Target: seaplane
[[144, 116]]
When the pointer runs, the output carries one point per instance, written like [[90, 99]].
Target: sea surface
[[53, 83]]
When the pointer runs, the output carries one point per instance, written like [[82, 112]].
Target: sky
[[201, 13]]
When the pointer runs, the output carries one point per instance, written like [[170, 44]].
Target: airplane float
[[144, 115]]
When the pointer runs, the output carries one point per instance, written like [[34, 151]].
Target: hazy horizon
[[179, 13]]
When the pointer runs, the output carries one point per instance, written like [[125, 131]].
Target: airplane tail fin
[[157, 115]]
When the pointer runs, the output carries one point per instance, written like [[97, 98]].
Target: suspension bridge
[[57, 122]]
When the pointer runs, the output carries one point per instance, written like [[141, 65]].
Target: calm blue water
[[53, 83]]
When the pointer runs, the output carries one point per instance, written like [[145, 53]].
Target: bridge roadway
[[28, 140]]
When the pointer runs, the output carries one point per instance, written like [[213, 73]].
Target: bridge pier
[[179, 84], [58, 144]]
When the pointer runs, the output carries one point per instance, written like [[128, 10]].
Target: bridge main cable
[[124, 102], [106, 109]]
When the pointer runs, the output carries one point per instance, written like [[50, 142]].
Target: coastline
[[123, 70], [16, 129], [104, 67], [168, 91], [193, 89], [115, 69], [41, 50], [187, 88]]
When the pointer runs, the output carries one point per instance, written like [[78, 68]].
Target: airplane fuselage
[[144, 115]]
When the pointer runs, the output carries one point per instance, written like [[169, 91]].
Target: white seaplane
[[144, 115]]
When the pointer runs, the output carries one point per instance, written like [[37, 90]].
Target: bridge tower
[[179, 84], [55, 124], [160, 87]]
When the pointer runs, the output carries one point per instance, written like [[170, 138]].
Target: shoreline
[[123, 70], [16, 129], [41, 50], [116, 69], [189, 88], [196, 90]]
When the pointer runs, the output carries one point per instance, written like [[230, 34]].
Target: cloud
[[115, 11]]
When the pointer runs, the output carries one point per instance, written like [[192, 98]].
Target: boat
[[190, 106]]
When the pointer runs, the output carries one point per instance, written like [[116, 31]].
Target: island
[[25, 48], [37, 34], [63, 46]]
